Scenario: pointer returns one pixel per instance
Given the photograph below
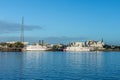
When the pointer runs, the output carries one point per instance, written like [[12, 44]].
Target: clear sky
[[62, 20]]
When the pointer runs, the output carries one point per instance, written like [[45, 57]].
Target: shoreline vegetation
[[20, 47], [9, 47]]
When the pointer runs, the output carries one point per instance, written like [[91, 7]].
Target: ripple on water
[[60, 66]]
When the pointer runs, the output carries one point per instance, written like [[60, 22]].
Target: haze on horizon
[[61, 20]]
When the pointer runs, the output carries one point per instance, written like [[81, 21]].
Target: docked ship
[[90, 45], [36, 47], [77, 46]]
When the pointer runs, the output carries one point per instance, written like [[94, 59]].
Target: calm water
[[60, 66]]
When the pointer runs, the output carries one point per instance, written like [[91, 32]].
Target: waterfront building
[[95, 44]]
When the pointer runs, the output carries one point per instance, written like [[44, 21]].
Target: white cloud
[[6, 27]]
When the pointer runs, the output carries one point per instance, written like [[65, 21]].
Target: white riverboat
[[36, 47], [77, 46]]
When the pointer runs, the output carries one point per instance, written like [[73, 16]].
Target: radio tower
[[22, 30]]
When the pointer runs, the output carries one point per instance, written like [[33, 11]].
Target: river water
[[60, 66]]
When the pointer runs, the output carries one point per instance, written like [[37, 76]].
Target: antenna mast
[[22, 30]]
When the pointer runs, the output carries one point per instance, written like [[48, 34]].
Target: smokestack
[[42, 42], [39, 42]]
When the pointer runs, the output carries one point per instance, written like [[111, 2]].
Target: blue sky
[[61, 20]]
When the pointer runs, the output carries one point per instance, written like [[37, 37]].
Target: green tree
[[18, 45]]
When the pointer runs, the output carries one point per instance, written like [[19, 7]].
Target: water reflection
[[59, 65], [88, 58]]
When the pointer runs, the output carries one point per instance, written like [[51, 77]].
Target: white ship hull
[[36, 48], [77, 49]]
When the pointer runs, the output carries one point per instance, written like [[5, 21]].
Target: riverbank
[[11, 49], [23, 50]]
